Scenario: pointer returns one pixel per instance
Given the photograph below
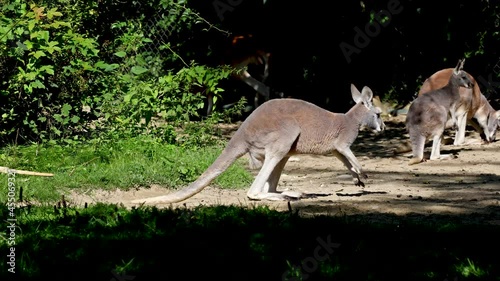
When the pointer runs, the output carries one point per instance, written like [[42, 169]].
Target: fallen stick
[[5, 170]]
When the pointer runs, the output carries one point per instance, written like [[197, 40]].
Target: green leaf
[[56, 131], [140, 60], [57, 24], [127, 98], [58, 117], [28, 44], [65, 109], [38, 54], [31, 25], [85, 64], [111, 67], [49, 69], [106, 66], [37, 84], [53, 13], [127, 78], [75, 119], [137, 70], [120, 54], [44, 35], [100, 64]]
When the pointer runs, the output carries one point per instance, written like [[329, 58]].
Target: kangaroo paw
[[358, 182], [292, 194]]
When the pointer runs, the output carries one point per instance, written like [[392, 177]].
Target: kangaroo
[[428, 114], [473, 107], [244, 51], [486, 120], [295, 127]]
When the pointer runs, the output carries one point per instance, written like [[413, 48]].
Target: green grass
[[233, 243], [125, 164]]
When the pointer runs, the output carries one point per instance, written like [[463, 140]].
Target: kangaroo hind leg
[[460, 131], [272, 183], [258, 189], [436, 149], [266, 182], [417, 147]]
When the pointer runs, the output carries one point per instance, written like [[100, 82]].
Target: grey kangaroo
[[280, 128], [473, 108], [428, 114]]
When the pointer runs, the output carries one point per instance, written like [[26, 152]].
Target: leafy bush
[[63, 83], [48, 70]]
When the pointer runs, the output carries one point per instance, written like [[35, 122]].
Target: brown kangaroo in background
[[280, 128], [429, 113]]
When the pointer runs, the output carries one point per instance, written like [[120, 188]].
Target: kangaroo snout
[[380, 127], [469, 84], [380, 123]]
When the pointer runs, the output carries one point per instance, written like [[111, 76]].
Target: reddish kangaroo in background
[[473, 108], [245, 51], [242, 52]]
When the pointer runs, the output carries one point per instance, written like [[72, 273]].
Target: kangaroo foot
[[444, 157], [415, 160]]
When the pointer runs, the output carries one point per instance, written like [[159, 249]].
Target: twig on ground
[[6, 170], [83, 164]]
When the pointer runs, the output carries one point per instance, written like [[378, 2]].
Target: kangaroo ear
[[460, 66], [356, 95], [367, 93]]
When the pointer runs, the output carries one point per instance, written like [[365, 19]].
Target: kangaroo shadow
[[317, 195], [358, 194], [308, 196]]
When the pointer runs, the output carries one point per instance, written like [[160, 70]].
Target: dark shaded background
[[304, 39]]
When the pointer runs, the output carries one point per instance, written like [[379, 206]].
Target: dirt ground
[[469, 183]]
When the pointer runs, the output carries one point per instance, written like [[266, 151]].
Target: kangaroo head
[[460, 76], [371, 118], [493, 123]]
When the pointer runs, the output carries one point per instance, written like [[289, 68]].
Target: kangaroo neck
[[355, 115], [453, 85]]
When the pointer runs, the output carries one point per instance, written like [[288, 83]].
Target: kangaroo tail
[[225, 159]]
